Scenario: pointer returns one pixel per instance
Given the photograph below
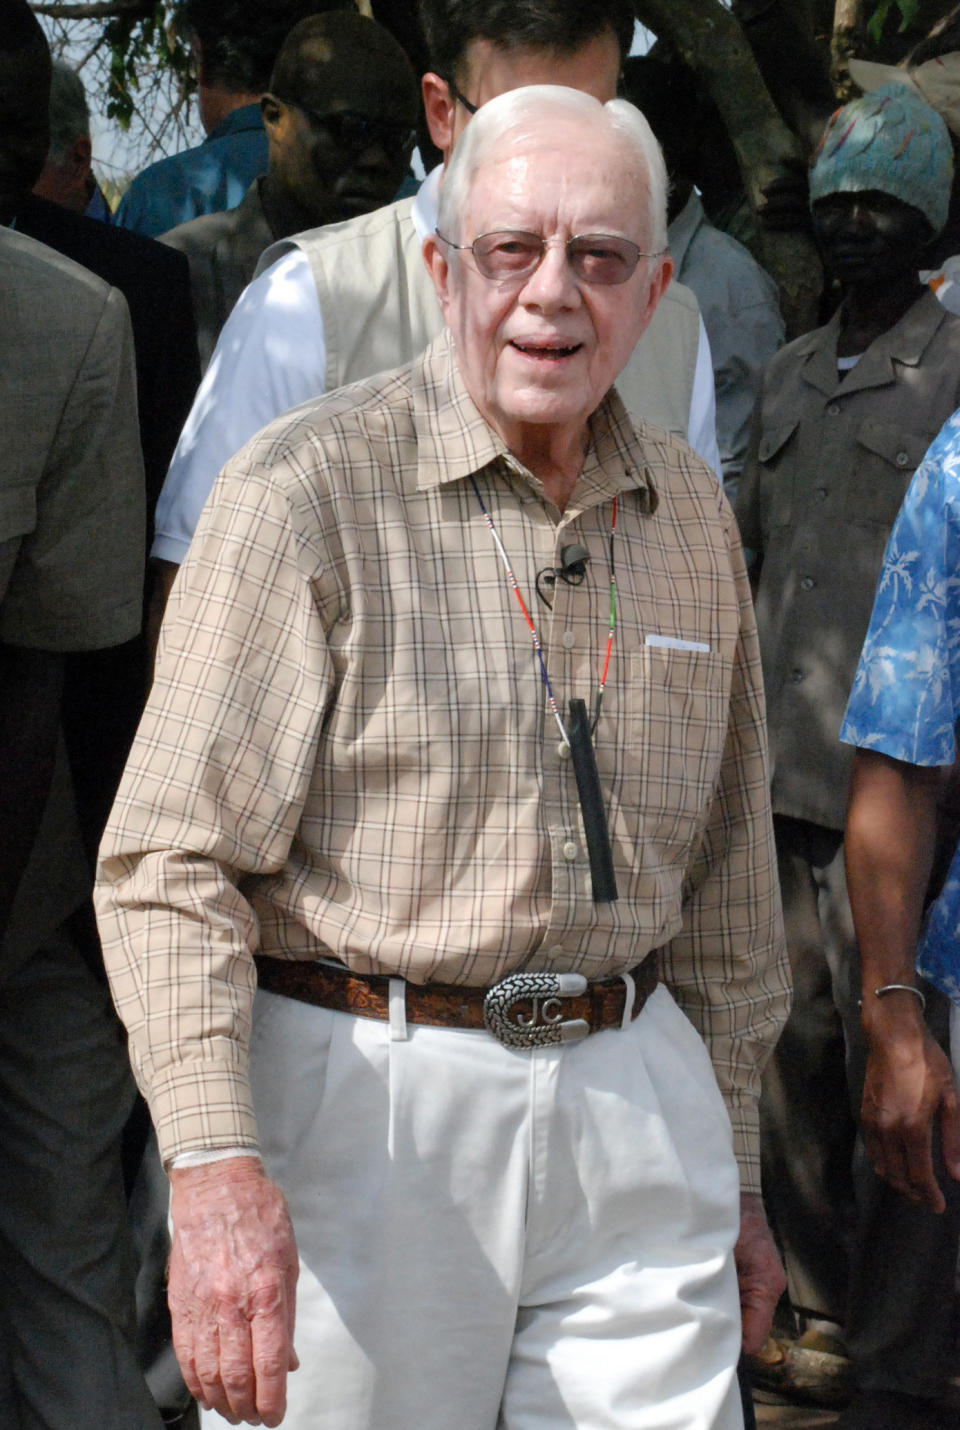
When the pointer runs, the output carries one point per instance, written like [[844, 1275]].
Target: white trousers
[[492, 1238]]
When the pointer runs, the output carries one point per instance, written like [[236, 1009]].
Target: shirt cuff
[[214, 1154]]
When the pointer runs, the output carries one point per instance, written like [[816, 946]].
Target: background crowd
[[279, 259]]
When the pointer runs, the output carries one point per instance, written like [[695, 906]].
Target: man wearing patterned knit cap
[[844, 417]]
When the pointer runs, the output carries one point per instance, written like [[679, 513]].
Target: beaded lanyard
[[578, 739]]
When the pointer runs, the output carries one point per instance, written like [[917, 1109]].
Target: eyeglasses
[[349, 129], [459, 97], [594, 257]]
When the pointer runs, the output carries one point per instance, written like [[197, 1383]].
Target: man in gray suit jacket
[[71, 570]]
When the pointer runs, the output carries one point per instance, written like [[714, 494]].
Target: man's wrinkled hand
[[909, 1087], [759, 1273], [233, 1275]]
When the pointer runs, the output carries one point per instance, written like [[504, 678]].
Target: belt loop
[[628, 1001], [398, 1010]]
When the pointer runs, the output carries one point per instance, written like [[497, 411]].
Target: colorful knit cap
[[891, 141]]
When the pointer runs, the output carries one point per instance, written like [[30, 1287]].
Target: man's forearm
[[908, 1083], [889, 842]]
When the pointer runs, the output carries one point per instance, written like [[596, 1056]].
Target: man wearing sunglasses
[[387, 906], [339, 117], [347, 301]]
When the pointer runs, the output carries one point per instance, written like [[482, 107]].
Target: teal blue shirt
[[208, 179]]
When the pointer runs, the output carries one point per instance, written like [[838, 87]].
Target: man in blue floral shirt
[[903, 715]]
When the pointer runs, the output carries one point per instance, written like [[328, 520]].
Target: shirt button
[[563, 750], [808, 583], [569, 639], [902, 459], [796, 676], [569, 851], [833, 410], [820, 493]]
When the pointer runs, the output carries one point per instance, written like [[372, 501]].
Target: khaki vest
[[379, 312]]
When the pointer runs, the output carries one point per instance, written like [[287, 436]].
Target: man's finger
[[273, 1355], [236, 1366], [207, 1361], [921, 1177]]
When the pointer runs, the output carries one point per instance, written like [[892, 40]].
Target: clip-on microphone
[[572, 570]]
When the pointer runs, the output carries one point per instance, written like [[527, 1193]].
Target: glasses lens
[[507, 254], [601, 258]]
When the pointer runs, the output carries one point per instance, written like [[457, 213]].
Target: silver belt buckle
[[544, 1024]]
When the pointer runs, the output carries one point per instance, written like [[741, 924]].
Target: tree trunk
[[846, 43], [708, 38]]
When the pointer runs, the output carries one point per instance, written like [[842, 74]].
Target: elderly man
[[340, 120], [67, 177], [367, 780], [350, 300]]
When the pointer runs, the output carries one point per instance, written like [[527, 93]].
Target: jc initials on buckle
[[544, 1024]]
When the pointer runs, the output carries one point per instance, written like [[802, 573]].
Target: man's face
[[342, 153], [541, 351], [24, 126], [869, 237], [488, 71]]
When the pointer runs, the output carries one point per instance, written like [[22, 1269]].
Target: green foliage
[[139, 41], [908, 12]]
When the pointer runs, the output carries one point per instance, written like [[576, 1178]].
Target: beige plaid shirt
[[348, 750]]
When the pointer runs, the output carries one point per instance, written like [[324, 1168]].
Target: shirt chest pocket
[[678, 712], [883, 460], [775, 455]]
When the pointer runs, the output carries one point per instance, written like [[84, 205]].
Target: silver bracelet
[[902, 988]]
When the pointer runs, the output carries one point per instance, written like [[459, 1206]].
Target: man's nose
[[553, 282]]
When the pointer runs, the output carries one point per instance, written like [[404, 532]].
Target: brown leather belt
[[524, 1010]]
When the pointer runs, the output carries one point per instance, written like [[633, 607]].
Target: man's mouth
[[549, 352]]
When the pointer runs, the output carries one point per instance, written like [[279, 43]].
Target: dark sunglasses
[[349, 129]]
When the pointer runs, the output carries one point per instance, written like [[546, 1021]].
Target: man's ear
[[439, 270], [659, 279], [271, 109], [81, 155], [438, 108]]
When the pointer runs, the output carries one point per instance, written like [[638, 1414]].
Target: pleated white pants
[[492, 1238]]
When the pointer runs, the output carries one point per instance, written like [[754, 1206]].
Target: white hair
[[69, 114], [520, 112]]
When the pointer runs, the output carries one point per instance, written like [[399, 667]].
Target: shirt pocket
[[776, 474], [883, 460], [678, 712]]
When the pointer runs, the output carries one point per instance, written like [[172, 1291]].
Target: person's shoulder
[[677, 471], [791, 355], [159, 177], [681, 299], [361, 412], [353, 230], [731, 258], [201, 233], [51, 277]]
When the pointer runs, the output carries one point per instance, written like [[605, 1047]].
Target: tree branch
[[711, 41], [91, 9]]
